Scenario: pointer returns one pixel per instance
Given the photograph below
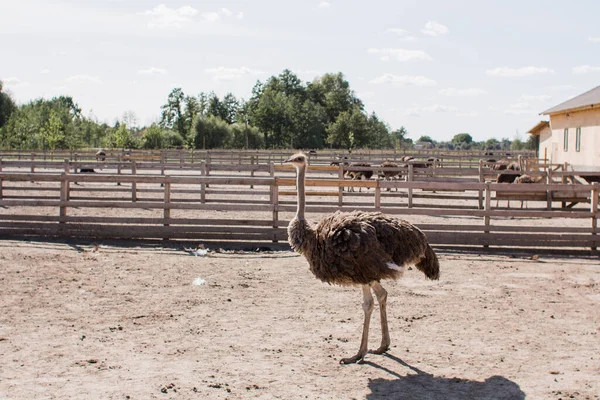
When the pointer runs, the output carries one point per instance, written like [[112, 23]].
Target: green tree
[[121, 138], [172, 115], [462, 141], [426, 139], [153, 137], [212, 132], [7, 106], [52, 133]]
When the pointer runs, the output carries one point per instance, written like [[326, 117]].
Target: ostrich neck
[[301, 195]]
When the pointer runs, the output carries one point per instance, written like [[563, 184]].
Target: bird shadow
[[425, 386]]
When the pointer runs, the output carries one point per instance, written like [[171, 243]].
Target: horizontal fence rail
[[257, 209]]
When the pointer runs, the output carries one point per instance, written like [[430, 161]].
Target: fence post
[[411, 176], [1, 195], [594, 210], [341, 188], [203, 185], [64, 195], [32, 163], [67, 168], [118, 167], [487, 209], [166, 203], [251, 170], [549, 192], [133, 184], [378, 195], [481, 180], [275, 205]]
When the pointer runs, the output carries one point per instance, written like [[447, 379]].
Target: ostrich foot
[[359, 358], [382, 349]]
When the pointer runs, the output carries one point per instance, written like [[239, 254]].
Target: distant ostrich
[[360, 174], [100, 155], [509, 178], [528, 179], [390, 175], [359, 248]]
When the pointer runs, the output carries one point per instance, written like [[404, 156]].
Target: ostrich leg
[[381, 294], [368, 305]]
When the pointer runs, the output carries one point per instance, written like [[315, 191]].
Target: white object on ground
[[198, 282]]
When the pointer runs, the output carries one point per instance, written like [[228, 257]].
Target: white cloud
[[433, 28], [45, 71], [540, 97], [83, 79], [401, 55], [230, 74], [520, 108], [560, 88], [518, 72], [404, 80], [470, 92], [467, 114], [435, 108], [162, 16], [584, 69], [211, 16], [226, 12], [153, 71], [403, 35], [324, 4], [594, 39], [14, 82]]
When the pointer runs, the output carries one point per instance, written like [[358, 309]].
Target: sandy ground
[[125, 321]]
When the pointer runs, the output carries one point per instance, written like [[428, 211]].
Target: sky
[[439, 68]]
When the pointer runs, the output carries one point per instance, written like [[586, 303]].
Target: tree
[[211, 132], [462, 140], [426, 139], [52, 133], [153, 138], [492, 144], [121, 138], [172, 116], [7, 106]]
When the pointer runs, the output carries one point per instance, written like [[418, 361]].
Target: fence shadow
[[425, 386]]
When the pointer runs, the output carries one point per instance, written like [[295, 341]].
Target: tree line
[[282, 112]]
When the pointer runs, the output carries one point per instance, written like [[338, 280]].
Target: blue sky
[[436, 67]]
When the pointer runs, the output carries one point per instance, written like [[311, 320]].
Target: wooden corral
[[55, 203]]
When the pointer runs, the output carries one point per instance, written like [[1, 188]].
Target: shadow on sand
[[424, 386]]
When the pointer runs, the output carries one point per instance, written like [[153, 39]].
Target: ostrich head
[[298, 160]]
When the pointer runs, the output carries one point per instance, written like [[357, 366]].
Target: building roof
[[589, 99], [538, 128]]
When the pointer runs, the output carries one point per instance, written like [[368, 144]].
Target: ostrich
[[390, 175], [358, 175], [528, 179], [359, 248]]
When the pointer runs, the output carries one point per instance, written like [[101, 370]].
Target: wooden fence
[[460, 159], [257, 209]]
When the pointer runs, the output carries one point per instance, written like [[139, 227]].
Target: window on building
[[578, 139], [566, 140]]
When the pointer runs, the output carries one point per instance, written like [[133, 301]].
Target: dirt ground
[[126, 321]]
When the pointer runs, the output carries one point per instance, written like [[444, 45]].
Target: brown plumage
[[360, 174], [528, 179], [359, 248], [100, 155], [390, 175]]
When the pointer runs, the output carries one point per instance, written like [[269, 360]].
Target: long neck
[[300, 189]]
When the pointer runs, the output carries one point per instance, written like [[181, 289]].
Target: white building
[[573, 133]]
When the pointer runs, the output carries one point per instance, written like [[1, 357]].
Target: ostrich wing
[[359, 248]]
